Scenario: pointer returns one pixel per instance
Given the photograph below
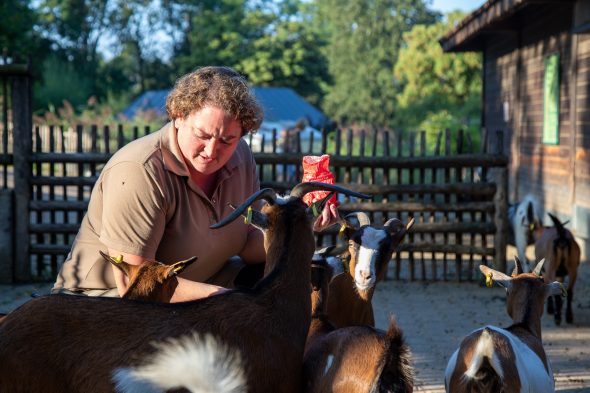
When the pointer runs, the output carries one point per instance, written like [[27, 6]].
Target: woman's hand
[[328, 217]]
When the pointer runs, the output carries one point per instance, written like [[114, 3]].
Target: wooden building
[[536, 87]]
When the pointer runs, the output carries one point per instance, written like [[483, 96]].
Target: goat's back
[[357, 359], [492, 360], [74, 341]]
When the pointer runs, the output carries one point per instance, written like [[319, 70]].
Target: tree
[[364, 37], [439, 89], [17, 37], [289, 55]]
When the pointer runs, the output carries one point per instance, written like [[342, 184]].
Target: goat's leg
[[569, 315], [557, 314], [550, 308]]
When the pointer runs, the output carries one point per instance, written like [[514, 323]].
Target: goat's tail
[[198, 364], [484, 373], [397, 375]]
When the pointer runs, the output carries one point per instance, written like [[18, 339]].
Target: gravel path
[[435, 316]]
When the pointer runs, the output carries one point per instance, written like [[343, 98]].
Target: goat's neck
[[289, 253], [528, 316]]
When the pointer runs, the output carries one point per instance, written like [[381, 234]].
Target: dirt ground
[[436, 315]]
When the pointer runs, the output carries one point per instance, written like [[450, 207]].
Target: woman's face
[[207, 139]]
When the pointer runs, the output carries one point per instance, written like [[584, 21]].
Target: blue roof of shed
[[280, 104]]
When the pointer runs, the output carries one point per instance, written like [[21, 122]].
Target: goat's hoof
[[569, 318], [558, 321]]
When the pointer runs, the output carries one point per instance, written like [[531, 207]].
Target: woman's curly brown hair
[[217, 86]]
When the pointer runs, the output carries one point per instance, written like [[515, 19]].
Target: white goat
[[198, 364], [370, 249], [524, 226], [59, 341], [492, 359]]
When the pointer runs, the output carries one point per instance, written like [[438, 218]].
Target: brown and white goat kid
[[197, 364], [354, 359], [370, 250], [562, 253], [510, 360], [76, 342], [151, 281]]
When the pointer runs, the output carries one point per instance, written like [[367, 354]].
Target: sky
[[451, 5]]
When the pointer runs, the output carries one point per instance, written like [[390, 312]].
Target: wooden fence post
[[500, 176], [22, 145]]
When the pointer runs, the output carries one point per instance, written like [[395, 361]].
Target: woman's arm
[[185, 290], [253, 251]]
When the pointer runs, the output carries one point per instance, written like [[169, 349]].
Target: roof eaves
[[490, 12]]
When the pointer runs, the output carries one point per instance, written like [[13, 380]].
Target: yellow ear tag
[[178, 268], [342, 229], [118, 259], [489, 281], [531, 227], [248, 218], [314, 209]]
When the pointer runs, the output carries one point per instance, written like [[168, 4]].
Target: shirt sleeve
[[134, 211]]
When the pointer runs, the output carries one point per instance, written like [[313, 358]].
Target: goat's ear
[[117, 262], [496, 276], [555, 288], [178, 267]]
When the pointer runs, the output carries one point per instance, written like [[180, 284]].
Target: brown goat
[[510, 360], [62, 343], [358, 359], [152, 281], [370, 250], [559, 248]]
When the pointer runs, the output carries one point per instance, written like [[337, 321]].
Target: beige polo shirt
[[144, 203]]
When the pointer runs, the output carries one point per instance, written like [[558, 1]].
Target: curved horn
[[394, 224], [303, 188], [361, 217], [539, 266], [268, 194], [517, 267]]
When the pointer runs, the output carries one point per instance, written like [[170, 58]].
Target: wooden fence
[[453, 207]]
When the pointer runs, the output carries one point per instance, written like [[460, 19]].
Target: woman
[[158, 195]]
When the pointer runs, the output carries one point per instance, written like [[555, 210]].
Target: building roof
[[492, 17], [280, 105]]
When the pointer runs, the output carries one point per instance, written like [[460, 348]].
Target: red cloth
[[316, 168]]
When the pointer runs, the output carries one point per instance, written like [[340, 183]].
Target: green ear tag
[[314, 209], [118, 259], [248, 218], [178, 268]]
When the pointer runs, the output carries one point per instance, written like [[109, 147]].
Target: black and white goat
[[370, 248]]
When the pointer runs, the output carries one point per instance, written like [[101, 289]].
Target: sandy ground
[[436, 315]]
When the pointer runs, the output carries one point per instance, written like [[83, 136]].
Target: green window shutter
[[551, 100]]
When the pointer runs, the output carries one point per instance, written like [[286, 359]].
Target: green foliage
[[61, 81], [17, 37], [440, 90], [288, 57], [364, 37]]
